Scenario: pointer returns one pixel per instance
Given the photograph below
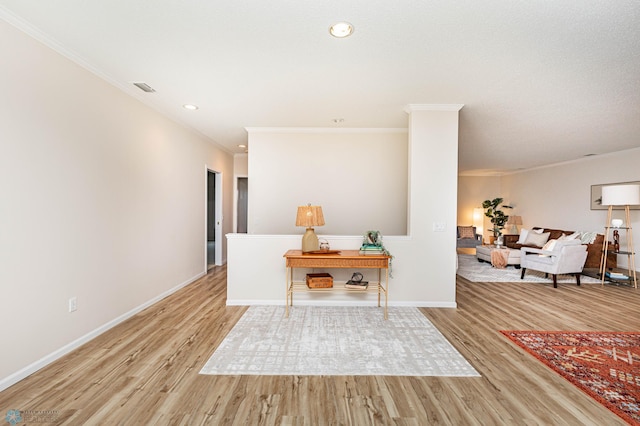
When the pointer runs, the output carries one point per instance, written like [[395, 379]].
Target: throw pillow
[[573, 236], [588, 237], [523, 236], [535, 239], [466, 232], [525, 232], [548, 246]]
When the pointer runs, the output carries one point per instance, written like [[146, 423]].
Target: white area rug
[[471, 269], [336, 341]]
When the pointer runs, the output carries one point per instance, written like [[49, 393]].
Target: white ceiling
[[541, 81]]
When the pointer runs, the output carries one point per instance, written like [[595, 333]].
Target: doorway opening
[[243, 192], [214, 220]]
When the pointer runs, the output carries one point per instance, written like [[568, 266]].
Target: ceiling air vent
[[144, 87]]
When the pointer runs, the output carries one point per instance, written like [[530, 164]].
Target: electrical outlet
[[73, 304], [439, 226]]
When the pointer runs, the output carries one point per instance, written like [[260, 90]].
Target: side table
[[345, 259]]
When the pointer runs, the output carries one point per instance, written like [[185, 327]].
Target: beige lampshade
[[309, 216], [620, 195], [514, 221]]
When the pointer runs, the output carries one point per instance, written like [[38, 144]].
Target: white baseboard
[[424, 304], [48, 359], [412, 303], [250, 302]]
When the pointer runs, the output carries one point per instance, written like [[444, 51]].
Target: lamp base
[[310, 241]]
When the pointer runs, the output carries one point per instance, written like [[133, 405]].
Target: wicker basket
[[320, 280]]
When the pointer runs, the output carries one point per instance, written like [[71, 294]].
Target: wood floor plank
[[146, 370]]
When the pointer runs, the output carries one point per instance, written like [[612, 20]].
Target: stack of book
[[371, 249], [616, 275], [357, 285]]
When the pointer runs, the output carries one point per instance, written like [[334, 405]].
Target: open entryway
[[214, 219], [243, 194]]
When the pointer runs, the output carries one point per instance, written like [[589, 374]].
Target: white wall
[[358, 176], [102, 199], [241, 165], [424, 261]]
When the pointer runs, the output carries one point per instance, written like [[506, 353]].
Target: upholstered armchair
[[467, 237], [566, 257]]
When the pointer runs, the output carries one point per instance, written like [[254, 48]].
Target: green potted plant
[[492, 210]]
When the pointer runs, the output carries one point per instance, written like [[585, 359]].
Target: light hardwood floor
[[145, 371]]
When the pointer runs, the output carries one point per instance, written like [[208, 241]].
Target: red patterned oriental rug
[[605, 365]]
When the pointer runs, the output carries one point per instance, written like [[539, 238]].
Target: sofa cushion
[[523, 236], [554, 234], [573, 236], [549, 245], [535, 239], [557, 245], [524, 232]]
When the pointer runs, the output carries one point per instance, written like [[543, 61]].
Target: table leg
[[289, 295], [379, 285], [386, 293]]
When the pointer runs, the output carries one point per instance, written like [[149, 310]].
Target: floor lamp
[[620, 195], [478, 221]]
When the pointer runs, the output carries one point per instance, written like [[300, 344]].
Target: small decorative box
[[320, 280]]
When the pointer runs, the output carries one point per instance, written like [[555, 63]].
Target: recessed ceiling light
[[242, 146], [341, 29], [190, 107]]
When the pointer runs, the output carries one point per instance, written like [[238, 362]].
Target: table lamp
[[309, 216], [514, 221]]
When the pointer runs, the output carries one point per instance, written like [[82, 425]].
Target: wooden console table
[[346, 259]]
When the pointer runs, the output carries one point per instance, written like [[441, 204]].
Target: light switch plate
[[439, 226]]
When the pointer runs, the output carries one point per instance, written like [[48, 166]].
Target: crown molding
[[324, 130], [432, 107]]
